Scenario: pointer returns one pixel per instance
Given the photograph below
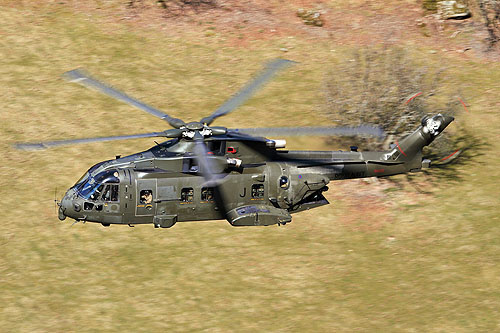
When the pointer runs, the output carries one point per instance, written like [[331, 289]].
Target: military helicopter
[[207, 172]]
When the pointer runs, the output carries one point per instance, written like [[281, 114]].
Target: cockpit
[[103, 186]]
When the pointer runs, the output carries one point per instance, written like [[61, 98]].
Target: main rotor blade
[[249, 89], [81, 77], [364, 130], [201, 152], [50, 144]]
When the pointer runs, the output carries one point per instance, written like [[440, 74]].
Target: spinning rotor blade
[[248, 90], [50, 144], [201, 152], [364, 130], [81, 77]]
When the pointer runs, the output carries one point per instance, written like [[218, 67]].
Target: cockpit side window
[[110, 193], [93, 187], [96, 193], [114, 192], [107, 194]]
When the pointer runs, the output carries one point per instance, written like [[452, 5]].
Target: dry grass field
[[381, 257]]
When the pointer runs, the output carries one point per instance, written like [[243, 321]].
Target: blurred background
[[410, 253]]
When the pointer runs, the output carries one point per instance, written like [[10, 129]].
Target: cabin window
[[207, 194], [284, 183], [146, 197], [258, 191], [187, 194], [216, 147]]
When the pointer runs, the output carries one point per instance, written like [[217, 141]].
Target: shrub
[[373, 86], [490, 12]]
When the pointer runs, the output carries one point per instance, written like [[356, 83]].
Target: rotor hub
[[194, 126]]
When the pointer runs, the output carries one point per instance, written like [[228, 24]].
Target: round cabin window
[[284, 183]]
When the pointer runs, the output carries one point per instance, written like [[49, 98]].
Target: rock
[[310, 17], [161, 3], [453, 9], [420, 23]]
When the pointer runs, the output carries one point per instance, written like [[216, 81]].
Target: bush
[[373, 86], [490, 12]]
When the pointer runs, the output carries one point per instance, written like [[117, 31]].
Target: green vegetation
[[374, 260]]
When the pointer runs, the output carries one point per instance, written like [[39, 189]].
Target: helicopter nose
[[61, 215], [64, 208], [69, 208]]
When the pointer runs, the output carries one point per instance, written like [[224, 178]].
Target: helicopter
[[207, 172]]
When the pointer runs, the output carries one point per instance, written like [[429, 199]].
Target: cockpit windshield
[[91, 187], [82, 179], [86, 174]]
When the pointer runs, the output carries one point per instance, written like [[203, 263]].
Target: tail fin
[[409, 149]]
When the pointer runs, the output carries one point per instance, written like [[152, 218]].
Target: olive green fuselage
[[285, 180], [256, 184]]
